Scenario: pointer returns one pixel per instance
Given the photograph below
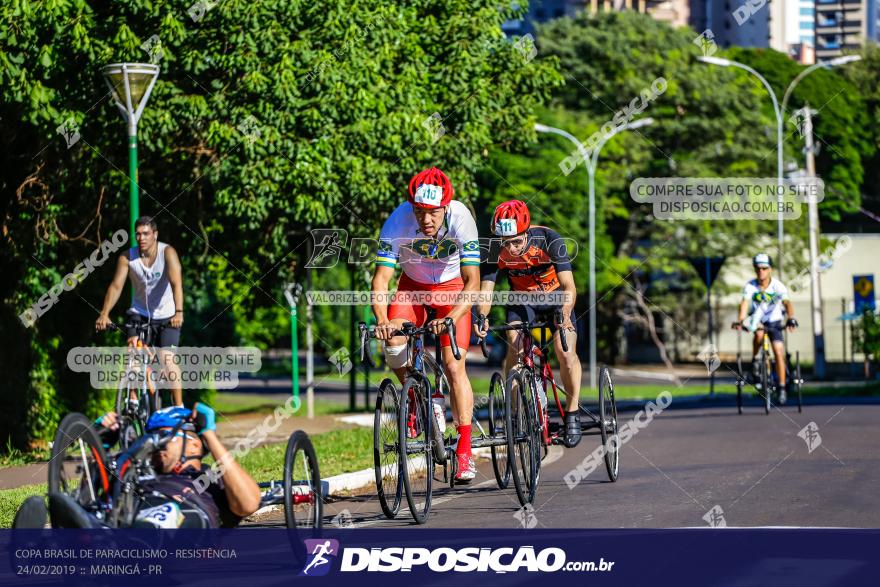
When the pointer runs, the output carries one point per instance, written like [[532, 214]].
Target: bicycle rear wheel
[[303, 505], [416, 453], [498, 430], [78, 463], [522, 441], [608, 429], [386, 449], [739, 383]]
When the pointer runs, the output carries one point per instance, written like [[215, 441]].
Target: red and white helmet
[[430, 189], [511, 218]]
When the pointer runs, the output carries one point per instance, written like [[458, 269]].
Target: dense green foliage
[[272, 118], [268, 118]]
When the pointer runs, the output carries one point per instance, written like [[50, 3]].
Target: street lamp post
[[780, 229], [131, 85], [813, 215], [591, 160]]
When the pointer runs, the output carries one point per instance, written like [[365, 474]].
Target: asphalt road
[[683, 464]]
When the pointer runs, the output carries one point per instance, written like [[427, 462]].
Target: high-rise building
[[843, 26]]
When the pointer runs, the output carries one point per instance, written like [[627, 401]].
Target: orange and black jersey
[[536, 269]]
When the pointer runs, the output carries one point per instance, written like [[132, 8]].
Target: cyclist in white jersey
[[763, 301], [434, 240], [156, 276]]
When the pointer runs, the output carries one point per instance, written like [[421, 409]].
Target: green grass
[[339, 451], [10, 499], [230, 404]]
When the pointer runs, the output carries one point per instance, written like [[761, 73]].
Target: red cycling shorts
[[417, 312]]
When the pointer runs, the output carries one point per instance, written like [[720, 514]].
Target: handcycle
[[766, 379], [407, 466], [89, 488], [528, 425]]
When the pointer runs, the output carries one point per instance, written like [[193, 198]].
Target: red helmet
[[430, 189], [511, 218]]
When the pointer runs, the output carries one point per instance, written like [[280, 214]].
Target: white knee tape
[[395, 356]]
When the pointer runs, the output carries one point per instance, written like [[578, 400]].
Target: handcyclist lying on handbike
[[535, 260], [763, 300], [182, 493]]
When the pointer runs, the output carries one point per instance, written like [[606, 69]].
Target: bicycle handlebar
[[480, 319], [559, 319], [408, 330]]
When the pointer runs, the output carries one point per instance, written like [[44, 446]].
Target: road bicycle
[[136, 395], [407, 442], [529, 427], [766, 378]]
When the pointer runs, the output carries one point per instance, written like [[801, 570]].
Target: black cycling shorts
[[534, 313], [774, 330], [161, 333]]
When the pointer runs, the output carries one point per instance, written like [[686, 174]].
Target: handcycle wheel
[[739, 383], [386, 449], [78, 463], [798, 382], [522, 441], [498, 430], [303, 506], [608, 429], [765, 382], [416, 453]]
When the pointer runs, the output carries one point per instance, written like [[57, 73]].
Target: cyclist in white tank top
[[156, 276], [152, 289]]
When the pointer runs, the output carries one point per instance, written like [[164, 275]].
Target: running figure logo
[[319, 552]]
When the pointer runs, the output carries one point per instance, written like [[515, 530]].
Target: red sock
[[464, 440]]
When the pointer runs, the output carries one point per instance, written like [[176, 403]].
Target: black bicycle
[[765, 378], [136, 395], [407, 443]]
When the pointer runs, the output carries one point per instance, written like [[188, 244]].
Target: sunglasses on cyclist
[[516, 241]]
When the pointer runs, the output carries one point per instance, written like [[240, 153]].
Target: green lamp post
[[130, 85]]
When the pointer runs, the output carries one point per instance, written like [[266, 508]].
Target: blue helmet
[[169, 418]]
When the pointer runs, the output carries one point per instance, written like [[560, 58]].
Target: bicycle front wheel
[[608, 429], [416, 450], [798, 382], [498, 430], [303, 505], [386, 449], [522, 441]]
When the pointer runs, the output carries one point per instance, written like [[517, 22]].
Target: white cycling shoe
[[467, 470]]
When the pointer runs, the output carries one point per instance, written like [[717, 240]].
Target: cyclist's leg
[[515, 315], [168, 340], [774, 330], [569, 367], [400, 311]]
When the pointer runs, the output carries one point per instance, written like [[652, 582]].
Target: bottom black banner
[[250, 557]]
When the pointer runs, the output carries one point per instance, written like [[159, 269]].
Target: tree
[[269, 118]]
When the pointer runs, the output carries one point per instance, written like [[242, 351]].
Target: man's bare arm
[[175, 278], [470, 275], [113, 292], [241, 490]]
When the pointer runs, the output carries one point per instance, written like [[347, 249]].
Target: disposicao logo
[[320, 551]]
